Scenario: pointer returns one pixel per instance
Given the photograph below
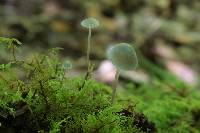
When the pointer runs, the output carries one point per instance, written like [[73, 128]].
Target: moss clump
[[37, 95], [167, 107]]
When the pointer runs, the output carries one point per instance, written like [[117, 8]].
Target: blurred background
[[165, 34]]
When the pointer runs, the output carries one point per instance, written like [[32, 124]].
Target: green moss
[[168, 108], [47, 100], [37, 95]]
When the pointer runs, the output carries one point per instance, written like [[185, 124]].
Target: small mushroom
[[89, 23], [124, 57]]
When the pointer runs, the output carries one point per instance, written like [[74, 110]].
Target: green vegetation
[[45, 99], [174, 111]]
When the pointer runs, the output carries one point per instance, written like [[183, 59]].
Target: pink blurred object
[[165, 51], [106, 72], [182, 71]]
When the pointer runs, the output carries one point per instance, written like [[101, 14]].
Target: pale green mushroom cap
[[90, 23], [123, 56]]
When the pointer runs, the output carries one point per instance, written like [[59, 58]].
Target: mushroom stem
[[114, 87], [88, 49]]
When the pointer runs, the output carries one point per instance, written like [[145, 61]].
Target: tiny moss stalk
[[114, 87], [13, 52], [88, 49]]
